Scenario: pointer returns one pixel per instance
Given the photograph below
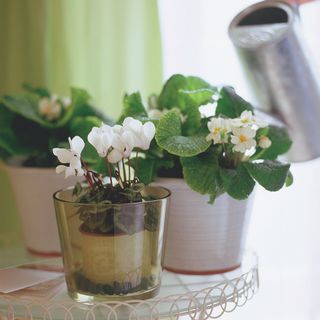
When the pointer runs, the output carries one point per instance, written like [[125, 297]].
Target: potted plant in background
[[31, 123], [211, 164], [111, 230]]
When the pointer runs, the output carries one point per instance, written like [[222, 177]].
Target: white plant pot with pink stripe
[[33, 189], [203, 238]]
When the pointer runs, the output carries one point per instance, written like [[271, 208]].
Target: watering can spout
[[280, 72]]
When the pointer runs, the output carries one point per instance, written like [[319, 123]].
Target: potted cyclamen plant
[[211, 160], [111, 229], [31, 123]]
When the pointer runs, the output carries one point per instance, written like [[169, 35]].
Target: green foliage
[[40, 91], [101, 214], [230, 104], [202, 173], [26, 105], [169, 137], [83, 108], [270, 174], [237, 182], [179, 87], [147, 167], [25, 132], [9, 141], [280, 142], [133, 107], [182, 135], [289, 179]]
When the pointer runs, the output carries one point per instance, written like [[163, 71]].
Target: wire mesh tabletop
[[196, 297]]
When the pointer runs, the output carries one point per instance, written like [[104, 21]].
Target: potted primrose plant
[[31, 123], [111, 228], [210, 151]]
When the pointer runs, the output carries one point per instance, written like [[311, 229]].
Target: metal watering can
[[268, 42]]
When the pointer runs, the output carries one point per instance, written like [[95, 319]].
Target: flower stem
[[136, 166], [109, 171], [87, 174], [129, 170], [124, 172], [257, 155], [119, 176]]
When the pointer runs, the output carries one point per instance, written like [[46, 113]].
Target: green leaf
[[4, 154], [9, 141], [289, 179], [176, 88], [26, 105], [202, 173], [270, 174], [82, 107], [280, 142], [133, 107], [40, 91], [81, 126], [230, 104], [169, 137], [193, 120], [237, 182], [199, 97], [146, 170]]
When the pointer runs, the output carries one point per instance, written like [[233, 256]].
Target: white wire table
[[181, 296]]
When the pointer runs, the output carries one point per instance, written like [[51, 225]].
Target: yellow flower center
[[216, 130], [243, 138]]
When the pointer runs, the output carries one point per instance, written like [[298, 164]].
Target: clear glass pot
[[112, 251]]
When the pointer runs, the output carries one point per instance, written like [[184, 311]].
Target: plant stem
[[124, 172], [136, 166], [109, 171], [87, 174], [119, 176], [88, 178], [257, 155], [129, 170]]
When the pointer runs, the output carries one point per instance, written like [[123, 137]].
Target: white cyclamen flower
[[243, 139], [50, 109], [248, 119], [101, 138], [71, 156], [142, 134], [264, 142], [219, 129], [122, 144]]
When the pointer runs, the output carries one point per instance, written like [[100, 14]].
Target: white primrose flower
[[248, 119], [66, 102], [243, 139], [101, 138], [50, 108], [264, 142], [122, 144], [219, 129], [71, 156], [142, 134]]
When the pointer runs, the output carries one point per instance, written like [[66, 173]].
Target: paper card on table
[[19, 278], [43, 291]]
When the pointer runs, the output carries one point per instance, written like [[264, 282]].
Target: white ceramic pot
[[203, 238], [33, 189]]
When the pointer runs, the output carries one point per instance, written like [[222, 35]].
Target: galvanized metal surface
[[269, 43]]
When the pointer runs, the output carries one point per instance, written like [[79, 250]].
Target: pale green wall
[[10, 232]]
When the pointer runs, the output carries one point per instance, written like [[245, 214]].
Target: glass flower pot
[[112, 251]]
